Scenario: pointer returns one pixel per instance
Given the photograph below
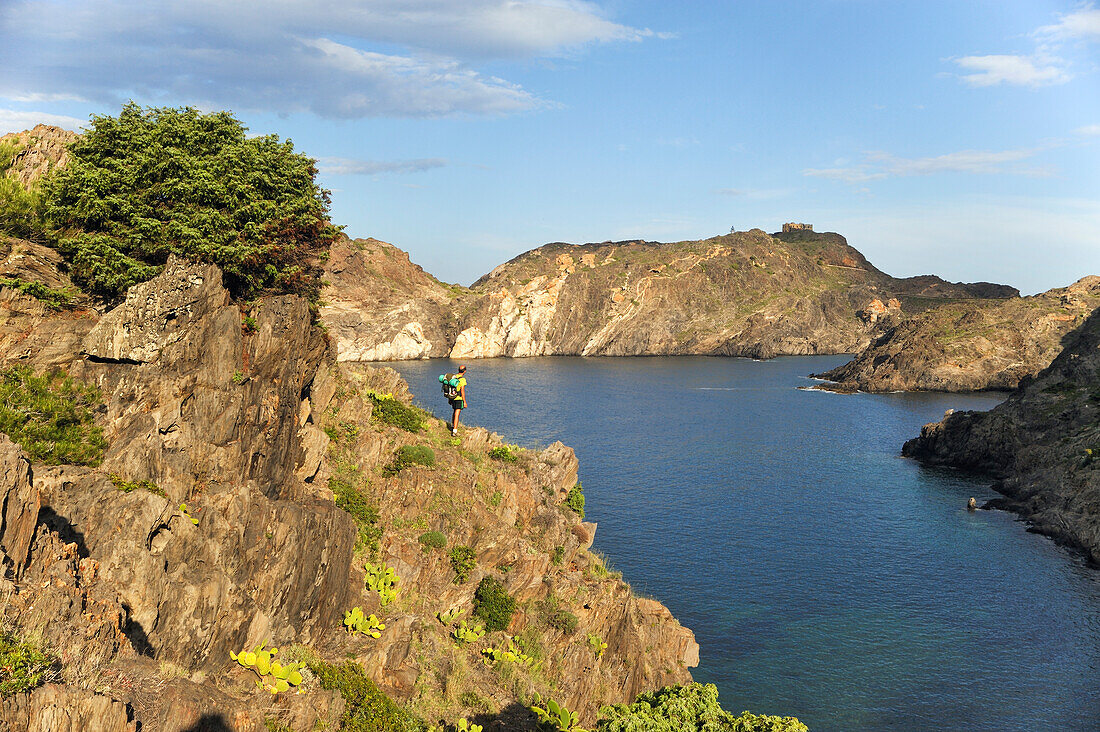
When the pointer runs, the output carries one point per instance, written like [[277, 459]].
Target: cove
[[824, 576]]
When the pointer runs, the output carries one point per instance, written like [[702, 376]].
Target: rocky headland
[[744, 294], [970, 345], [1041, 446], [247, 489]]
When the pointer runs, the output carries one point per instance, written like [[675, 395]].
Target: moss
[[493, 604], [366, 708], [51, 417], [23, 666]]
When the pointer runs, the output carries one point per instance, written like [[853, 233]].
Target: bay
[[824, 576]]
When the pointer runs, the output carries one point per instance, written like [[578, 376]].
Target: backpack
[[449, 389]]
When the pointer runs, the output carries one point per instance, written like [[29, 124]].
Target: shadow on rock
[[515, 716], [210, 723]]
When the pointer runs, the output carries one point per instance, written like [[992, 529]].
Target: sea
[[824, 576]]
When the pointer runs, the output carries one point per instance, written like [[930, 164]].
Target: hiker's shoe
[[454, 432]]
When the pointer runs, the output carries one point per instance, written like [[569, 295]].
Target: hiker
[[458, 402]]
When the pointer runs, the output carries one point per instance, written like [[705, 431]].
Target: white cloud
[[1033, 71], [1088, 131], [15, 120], [1082, 23], [879, 165], [337, 58], [348, 166]]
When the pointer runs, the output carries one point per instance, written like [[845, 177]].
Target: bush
[[391, 411], [22, 666], [554, 616], [366, 708], [493, 604], [349, 498], [504, 454], [128, 486], [433, 540], [557, 555], [54, 299], [20, 208], [157, 181], [690, 708], [575, 499], [408, 455], [50, 416], [463, 560]]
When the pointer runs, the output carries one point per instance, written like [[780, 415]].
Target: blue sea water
[[824, 576]]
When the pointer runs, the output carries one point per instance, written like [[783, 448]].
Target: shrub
[[349, 498], [128, 486], [162, 180], [391, 411], [433, 540], [54, 299], [51, 417], [408, 455], [690, 708], [575, 499], [20, 208], [23, 666], [463, 560], [366, 708], [558, 555], [557, 617], [493, 604], [504, 454]]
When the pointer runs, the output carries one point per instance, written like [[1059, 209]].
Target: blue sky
[[959, 138]]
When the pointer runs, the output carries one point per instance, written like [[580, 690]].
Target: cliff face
[[1042, 444], [972, 345], [36, 152], [746, 294], [245, 422]]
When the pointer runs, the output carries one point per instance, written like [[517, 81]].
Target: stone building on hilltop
[[787, 228]]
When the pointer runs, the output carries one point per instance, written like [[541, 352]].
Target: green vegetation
[[53, 299], [356, 622], [366, 708], [20, 208], [159, 181], [466, 633], [504, 453], [408, 455], [433, 540], [383, 580], [463, 560], [597, 644], [273, 675], [511, 654], [690, 708], [557, 555], [555, 717], [493, 604], [248, 324], [23, 666], [51, 417], [187, 514], [391, 411], [127, 486], [554, 616], [448, 617], [575, 499], [351, 499]]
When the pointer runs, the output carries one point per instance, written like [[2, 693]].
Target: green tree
[[690, 708], [157, 181]]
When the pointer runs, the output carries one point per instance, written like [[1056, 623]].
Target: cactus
[[511, 654], [185, 512], [273, 676], [450, 616], [596, 643], [383, 580], [356, 622], [555, 717], [464, 633], [464, 726]]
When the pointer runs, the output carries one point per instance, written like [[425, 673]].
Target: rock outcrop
[[244, 417], [1042, 445], [745, 294], [36, 152], [971, 345]]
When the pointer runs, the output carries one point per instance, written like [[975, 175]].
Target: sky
[[959, 138]]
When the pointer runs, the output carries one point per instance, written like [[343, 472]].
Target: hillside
[[971, 345], [744, 294], [247, 487], [1042, 445]]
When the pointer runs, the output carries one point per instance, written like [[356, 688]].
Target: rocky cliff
[[971, 345], [745, 294], [35, 152], [1042, 445], [211, 526]]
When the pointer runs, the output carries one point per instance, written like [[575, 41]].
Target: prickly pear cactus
[[356, 622], [464, 633], [273, 675], [383, 580], [187, 514]]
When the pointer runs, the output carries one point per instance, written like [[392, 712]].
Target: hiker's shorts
[[458, 404]]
